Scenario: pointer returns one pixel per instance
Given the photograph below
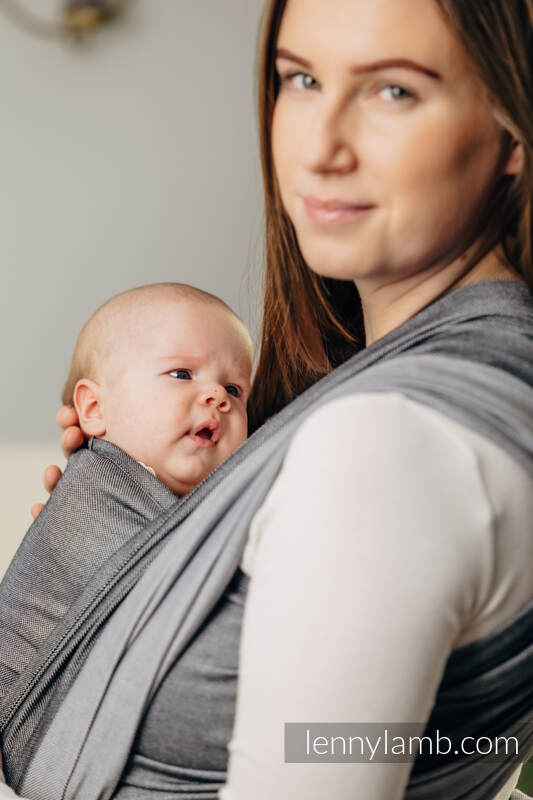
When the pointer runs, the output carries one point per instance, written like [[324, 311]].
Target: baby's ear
[[87, 400]]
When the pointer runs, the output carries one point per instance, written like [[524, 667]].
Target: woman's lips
[[334, 212]]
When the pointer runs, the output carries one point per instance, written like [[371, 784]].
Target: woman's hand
[[71, 440], [72, 436]]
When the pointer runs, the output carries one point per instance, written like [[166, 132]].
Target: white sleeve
[[373, 554]]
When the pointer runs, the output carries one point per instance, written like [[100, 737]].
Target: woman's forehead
[[351, 33]]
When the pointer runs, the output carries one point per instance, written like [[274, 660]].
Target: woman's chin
[[331, 259], [327, 266]]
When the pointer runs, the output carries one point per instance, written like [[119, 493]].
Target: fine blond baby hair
[[97, 337]]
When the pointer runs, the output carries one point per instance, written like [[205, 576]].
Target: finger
[[36, 510], [51, 476], [67, 416], [71, 439]]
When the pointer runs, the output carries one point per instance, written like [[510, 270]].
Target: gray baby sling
[[103, 499], [69, 721]]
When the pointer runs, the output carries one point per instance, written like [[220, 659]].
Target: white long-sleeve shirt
[[391, 536]]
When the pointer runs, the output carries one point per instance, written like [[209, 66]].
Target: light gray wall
[[128, 159]]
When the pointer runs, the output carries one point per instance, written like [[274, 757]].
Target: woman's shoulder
[[390, 431], [397, 477], [408, 432]]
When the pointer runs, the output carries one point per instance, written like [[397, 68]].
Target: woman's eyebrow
[[374, 66]]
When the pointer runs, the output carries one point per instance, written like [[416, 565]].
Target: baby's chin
[[183, 481]]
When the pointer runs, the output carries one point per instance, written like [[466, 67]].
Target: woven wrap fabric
[[69, 721], [102, 500]]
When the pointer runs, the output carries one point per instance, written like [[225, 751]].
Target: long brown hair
[[311, 324]]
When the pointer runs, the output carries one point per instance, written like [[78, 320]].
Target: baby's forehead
[[169, 327]]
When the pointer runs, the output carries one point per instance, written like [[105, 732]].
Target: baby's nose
[[215, 396]]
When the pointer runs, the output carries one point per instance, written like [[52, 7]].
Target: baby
[[160, 379]]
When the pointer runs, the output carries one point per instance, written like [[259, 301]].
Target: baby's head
[[163, 371]]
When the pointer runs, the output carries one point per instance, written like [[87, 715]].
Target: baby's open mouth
[[207, 433]]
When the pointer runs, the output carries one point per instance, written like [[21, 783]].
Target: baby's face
[[174, 392]]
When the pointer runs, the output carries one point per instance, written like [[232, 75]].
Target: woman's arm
[[373, 553]]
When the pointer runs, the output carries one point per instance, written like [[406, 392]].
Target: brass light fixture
[[76, 17], [81, 16]]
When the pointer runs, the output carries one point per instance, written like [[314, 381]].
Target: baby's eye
[[233, 390], [181, 374]]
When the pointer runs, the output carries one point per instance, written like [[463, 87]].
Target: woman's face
[[384, 144]]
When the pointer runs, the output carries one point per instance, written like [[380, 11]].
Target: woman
[[393, 546]]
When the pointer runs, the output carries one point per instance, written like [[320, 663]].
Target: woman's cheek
[[285, 138]]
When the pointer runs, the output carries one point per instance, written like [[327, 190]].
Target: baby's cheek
[[239, 434]]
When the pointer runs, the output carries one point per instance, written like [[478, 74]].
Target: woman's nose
[[329, 142], [215, 396]]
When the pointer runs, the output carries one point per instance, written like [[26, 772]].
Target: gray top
[[181, 746]]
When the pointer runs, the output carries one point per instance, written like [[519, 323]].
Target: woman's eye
[[181, 374], [396, 92], [299, 80], [233, 390]]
